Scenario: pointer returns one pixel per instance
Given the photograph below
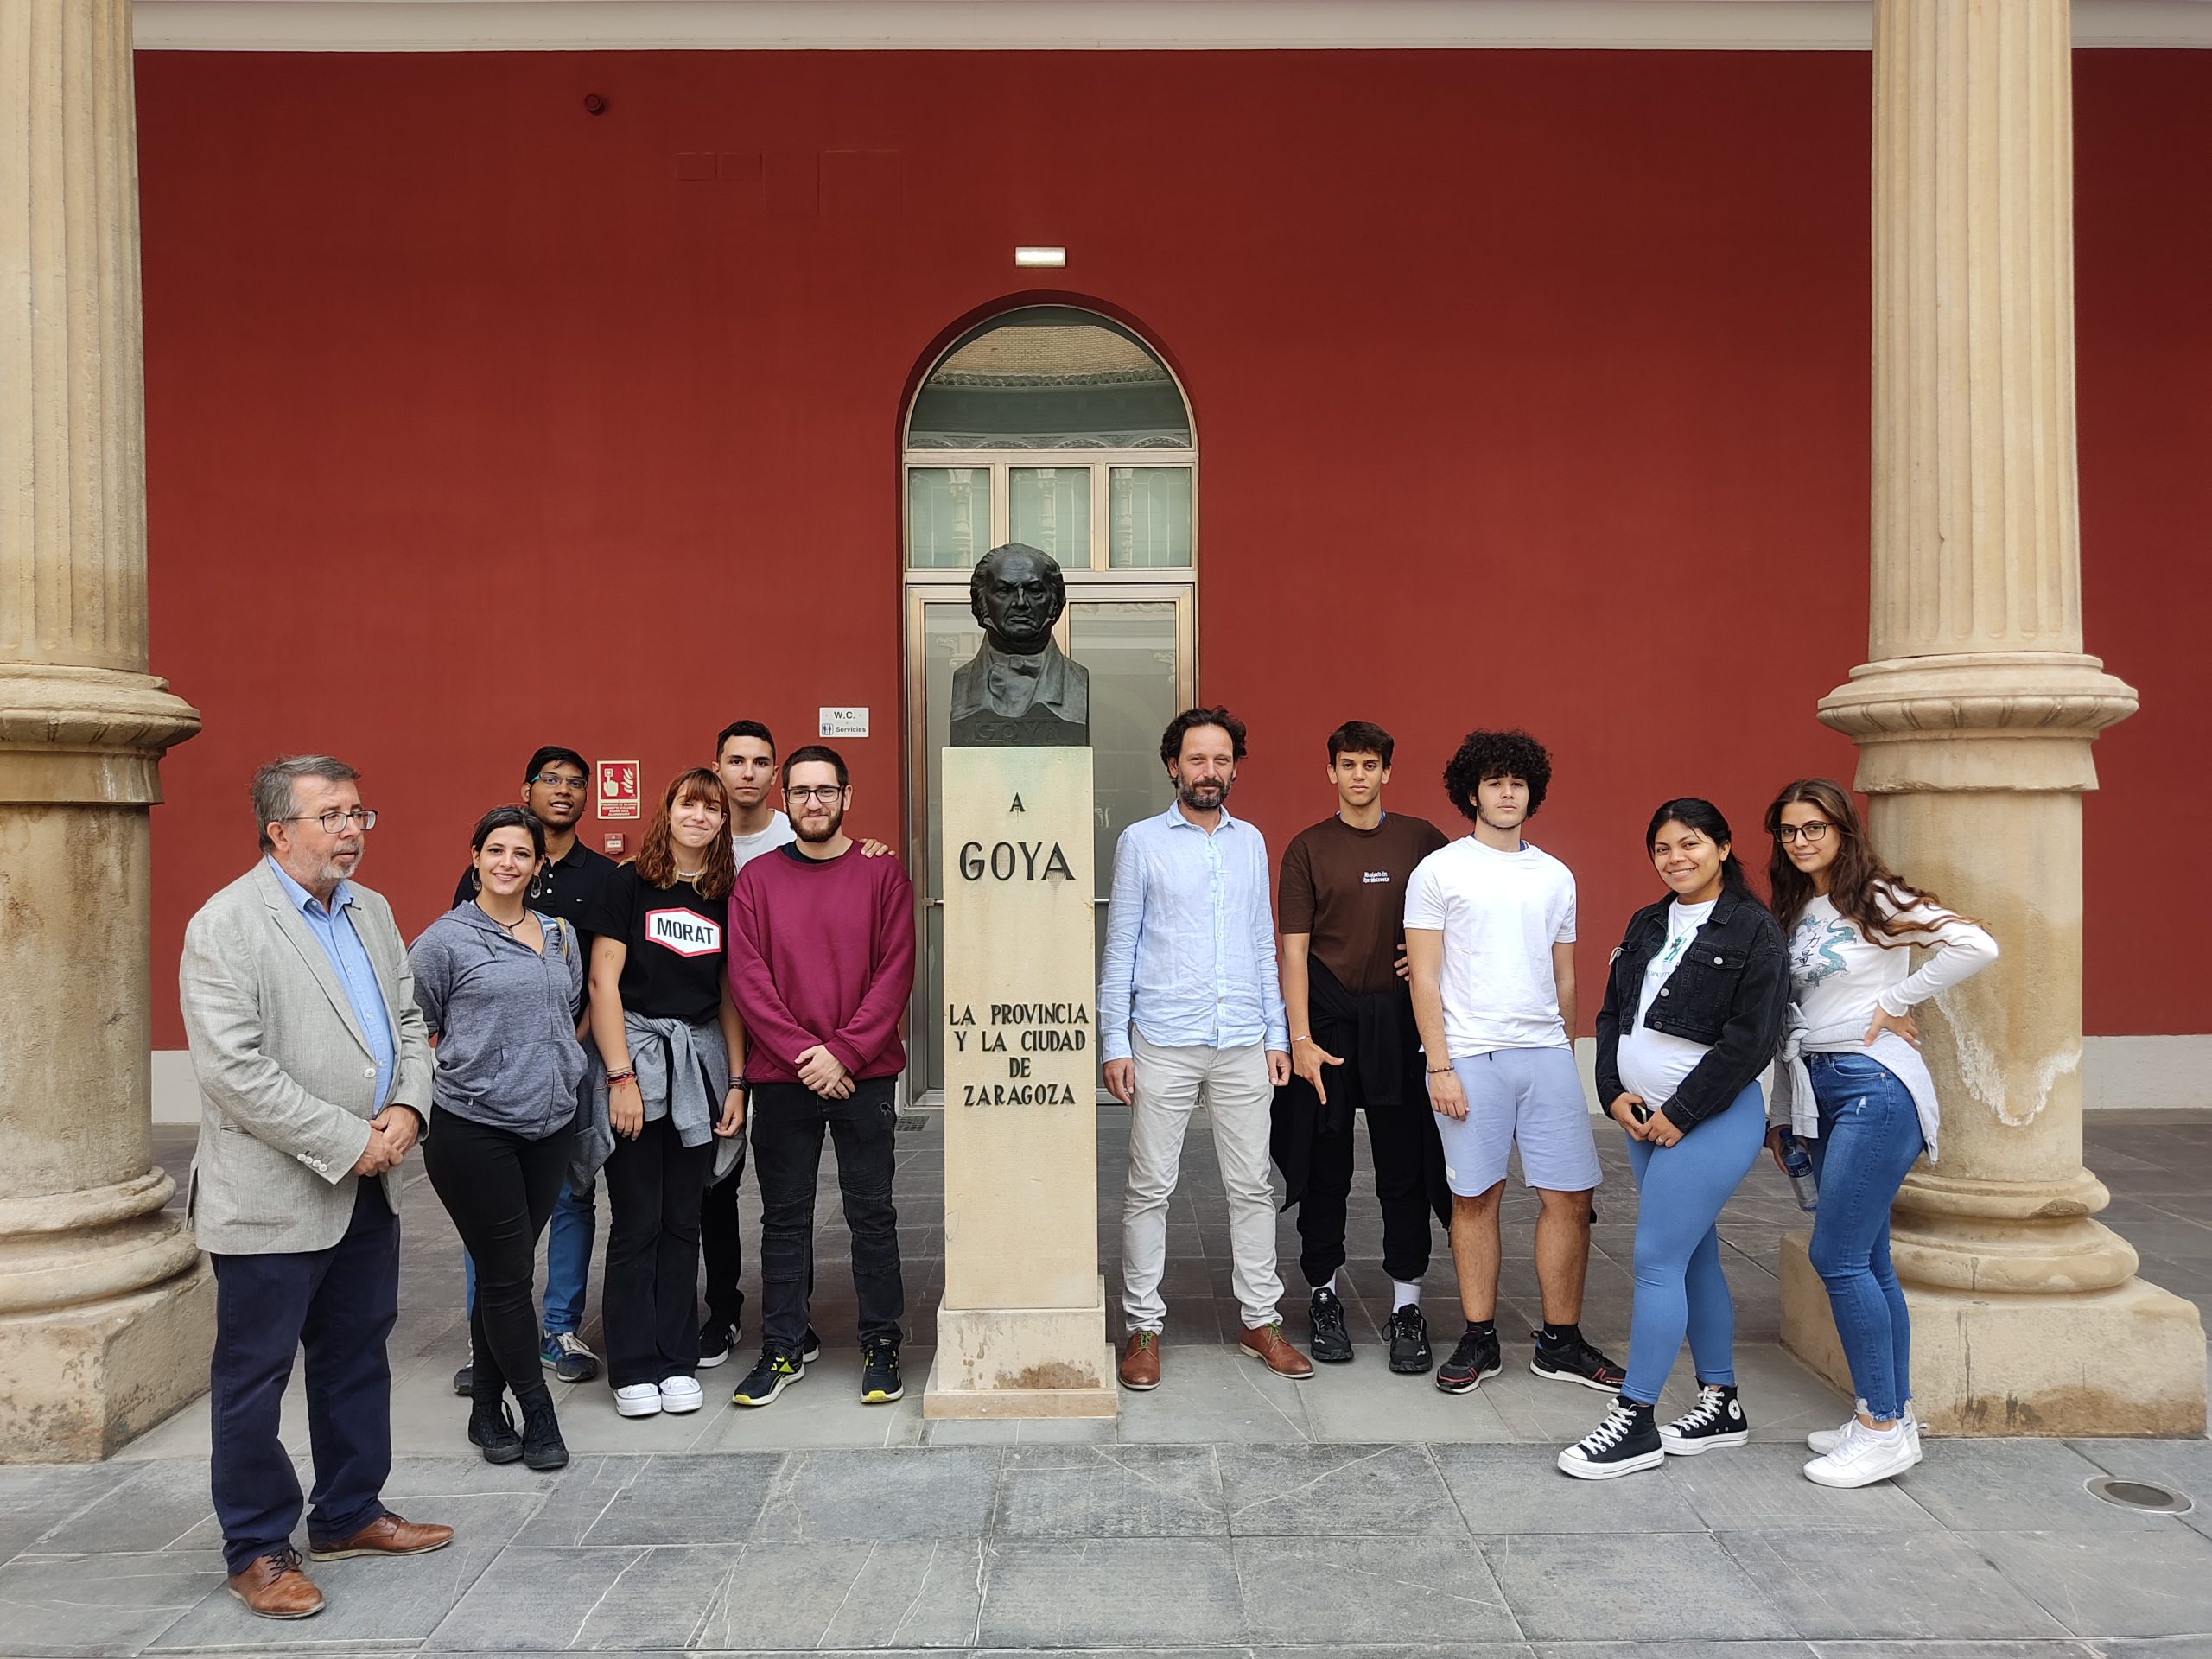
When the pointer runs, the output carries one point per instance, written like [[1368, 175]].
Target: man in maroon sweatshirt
[[821, 964]]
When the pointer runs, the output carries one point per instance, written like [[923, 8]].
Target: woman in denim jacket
[[1693, 1008]]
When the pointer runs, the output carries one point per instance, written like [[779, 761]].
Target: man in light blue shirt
[[333, 927], [1190, 1009]]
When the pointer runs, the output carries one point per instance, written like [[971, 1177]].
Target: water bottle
[[1798, 1163]]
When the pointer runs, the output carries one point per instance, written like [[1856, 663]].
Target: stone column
[[1974, 719], [105, 1309]]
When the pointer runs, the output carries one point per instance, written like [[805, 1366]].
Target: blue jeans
[[1870, 1137], [1678, 1285], [568, 1262]]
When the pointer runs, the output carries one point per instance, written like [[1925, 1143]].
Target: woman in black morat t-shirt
[[673, 1047]]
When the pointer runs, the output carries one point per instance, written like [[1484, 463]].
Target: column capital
[[91, 735], [1993, 720]]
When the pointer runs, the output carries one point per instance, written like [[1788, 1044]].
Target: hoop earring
[[475, 881], [536, 885]]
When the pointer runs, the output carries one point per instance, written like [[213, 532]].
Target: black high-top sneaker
[[1410, 1355], [1716, 1418], [1626, 1441], [492, 1430], [543, 1448], [1332, 1342]]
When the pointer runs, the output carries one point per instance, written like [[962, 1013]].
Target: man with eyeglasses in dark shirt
[[557, 788]]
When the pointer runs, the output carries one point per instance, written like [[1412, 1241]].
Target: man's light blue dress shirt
[[1190, 951], [333, 931]]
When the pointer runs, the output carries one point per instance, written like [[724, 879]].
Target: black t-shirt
[[570, 889], [676, 942]]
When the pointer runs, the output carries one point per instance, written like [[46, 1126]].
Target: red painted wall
[[1531, 388]]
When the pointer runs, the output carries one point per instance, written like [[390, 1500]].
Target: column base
[[1022, 1362], [2129, 1360], [84, 1380]]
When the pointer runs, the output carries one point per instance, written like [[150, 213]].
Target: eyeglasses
[[558, 780], [332, 820], [805, 792], [1811, 834]]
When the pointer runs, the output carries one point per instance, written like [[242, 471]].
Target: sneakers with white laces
[[1823, 1441], [1716, 1418], [1863, 1456], [1625, 1442]]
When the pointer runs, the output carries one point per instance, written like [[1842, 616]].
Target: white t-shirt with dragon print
[[1838, 977]]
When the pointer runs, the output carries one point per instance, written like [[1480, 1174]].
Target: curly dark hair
[[1497, 755], [1171, 740]]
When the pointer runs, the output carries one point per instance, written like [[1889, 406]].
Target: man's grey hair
[[273, 795]]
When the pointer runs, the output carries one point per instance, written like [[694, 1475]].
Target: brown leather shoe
[[385, 1536], [275, 1587], [1139, 1366], [1270, 1346]]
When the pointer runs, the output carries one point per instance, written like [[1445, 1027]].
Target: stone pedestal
[[1022, 1330], [1974, 719], [105, 1310]]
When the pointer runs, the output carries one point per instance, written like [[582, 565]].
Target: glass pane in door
[[1052, 511], [948, 515], [1129, 646], [1149, 517]]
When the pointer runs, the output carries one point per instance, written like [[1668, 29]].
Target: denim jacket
[[1730, 992]]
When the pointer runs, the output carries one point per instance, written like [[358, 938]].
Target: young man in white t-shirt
[[1489, 937]]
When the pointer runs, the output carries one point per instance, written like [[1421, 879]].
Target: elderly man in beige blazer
[[314, 1081]]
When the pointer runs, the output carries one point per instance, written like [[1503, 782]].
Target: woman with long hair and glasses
[[497, 982], [1693, 1006], [672, 1050], [1853, 1084]]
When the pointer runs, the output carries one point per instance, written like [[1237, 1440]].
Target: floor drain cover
[[2140, 1495], [910, 1123]]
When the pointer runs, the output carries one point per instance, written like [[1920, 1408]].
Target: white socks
[[1403, 1295]]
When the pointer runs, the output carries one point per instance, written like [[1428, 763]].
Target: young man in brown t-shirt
[[1354, 1045]]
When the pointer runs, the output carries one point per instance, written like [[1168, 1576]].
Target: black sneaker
[[1576, 1362], [1332, 1342], [1626, 1441], [464, 1380], [879, 1380], [1410, 1354], [810, 1346], [491, 1429], [1476, 1357], [769, 1378], [714, 1338], [1716, 1418], [543, 1448]]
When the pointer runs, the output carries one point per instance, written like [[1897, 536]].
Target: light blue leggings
[[1679, 1283]]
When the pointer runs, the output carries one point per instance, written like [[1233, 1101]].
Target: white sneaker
[[1823, 1441], [1862, 1456], [681, 1394], [638, 1399]]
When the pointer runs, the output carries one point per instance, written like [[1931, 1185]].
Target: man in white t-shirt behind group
[[1489, 937]]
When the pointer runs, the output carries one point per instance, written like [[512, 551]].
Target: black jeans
[[654, 1184], [1410, 1184], [499, 1188], [721, 1242], [339, 1305], [788, 1119]]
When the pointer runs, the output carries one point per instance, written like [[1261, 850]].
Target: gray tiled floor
[[1230, 1512]]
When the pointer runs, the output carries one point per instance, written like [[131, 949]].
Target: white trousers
[[1170, 1084]]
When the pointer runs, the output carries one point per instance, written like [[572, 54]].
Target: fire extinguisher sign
[[617, 789]]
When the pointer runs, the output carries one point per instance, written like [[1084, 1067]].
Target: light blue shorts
[[1528, 1097]]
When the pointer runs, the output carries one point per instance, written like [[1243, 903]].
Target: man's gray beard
[[830, 834], [332, 873], [1184, 793]]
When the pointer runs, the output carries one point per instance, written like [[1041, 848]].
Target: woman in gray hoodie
[[498, 983]]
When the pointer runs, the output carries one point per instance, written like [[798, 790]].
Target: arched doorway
[[1062, 429]]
